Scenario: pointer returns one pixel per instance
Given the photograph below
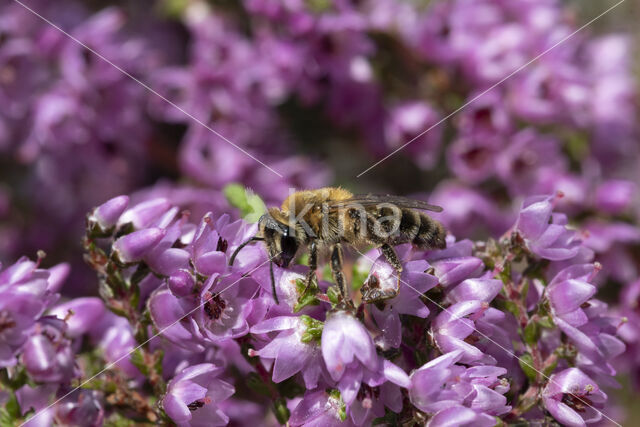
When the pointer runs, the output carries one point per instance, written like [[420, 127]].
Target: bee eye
[[288, 245]]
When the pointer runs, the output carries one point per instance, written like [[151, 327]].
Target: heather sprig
[[500, 329]]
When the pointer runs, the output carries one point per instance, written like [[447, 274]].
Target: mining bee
[[330, 217]]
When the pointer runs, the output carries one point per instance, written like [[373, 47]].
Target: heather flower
[[227, 307], [572, 398], [351, 360], [466, 208], [451, 271], [614, 196], [24, 296], [320, 408], [461, 416], [106, 215], [171, 316], [134, 246], [82, 408], [346, 342], [525, 162], [296, 347], [37, 399], [80, 315], [214, 242], [452, 327], [544, 232], [414, 282], [47, 355], [441, 384], [194, 394], [406, 122], [143, 214], [114, 337]]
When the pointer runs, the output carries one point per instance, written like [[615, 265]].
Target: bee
[[328, 218]]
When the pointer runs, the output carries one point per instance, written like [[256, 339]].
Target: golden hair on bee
[[330, 217]]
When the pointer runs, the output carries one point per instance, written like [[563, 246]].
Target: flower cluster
[[480, 331], [526, 317], [40, 342]]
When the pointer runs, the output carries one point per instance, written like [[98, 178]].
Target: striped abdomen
[[421, 230], [415, 227]]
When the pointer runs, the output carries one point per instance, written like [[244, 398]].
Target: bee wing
[[371, 200]]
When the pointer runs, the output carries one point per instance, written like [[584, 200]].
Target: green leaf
[[532, 333], [526, 364], [281, 411], [137, 358], [6, 420], [512, 307], [158, 365], [334, 295], [307, 295], [250, 205], [525, 290], [546, 322], [13, 407], [548, 370], [18, 379], [358, 278]]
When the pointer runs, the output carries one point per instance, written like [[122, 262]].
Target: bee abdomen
[[431, 234]]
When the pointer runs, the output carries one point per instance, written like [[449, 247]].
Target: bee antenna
[[273, 283], [242, 245]]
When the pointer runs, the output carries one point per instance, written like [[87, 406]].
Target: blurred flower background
[[319, 91]]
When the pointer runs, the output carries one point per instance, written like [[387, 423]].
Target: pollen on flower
[[214, 305]]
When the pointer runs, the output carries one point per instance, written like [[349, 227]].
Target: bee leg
[[336, 270], [313, 266], [373, 294]]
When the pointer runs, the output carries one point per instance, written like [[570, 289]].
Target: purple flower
[[451, 271], [83, 408], [114, 337], [441, 384], [407, 121], [544, 232], [228, 307], [79, 314], [527, 160], [583, 320], [572, 398], [451, 328], [414, 283], [214, 242], [320, 408], [47, 355], [455, 416], [143, 214], [24, 296], [134, 246], [294, 349], [346, 342], [194, 394], [614, 196], [106, 215]]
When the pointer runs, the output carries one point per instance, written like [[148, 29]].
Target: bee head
[[280, 241]]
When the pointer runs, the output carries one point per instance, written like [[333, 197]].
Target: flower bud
[[134, 246], [106, 215], [144, 213], [181, 283]]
